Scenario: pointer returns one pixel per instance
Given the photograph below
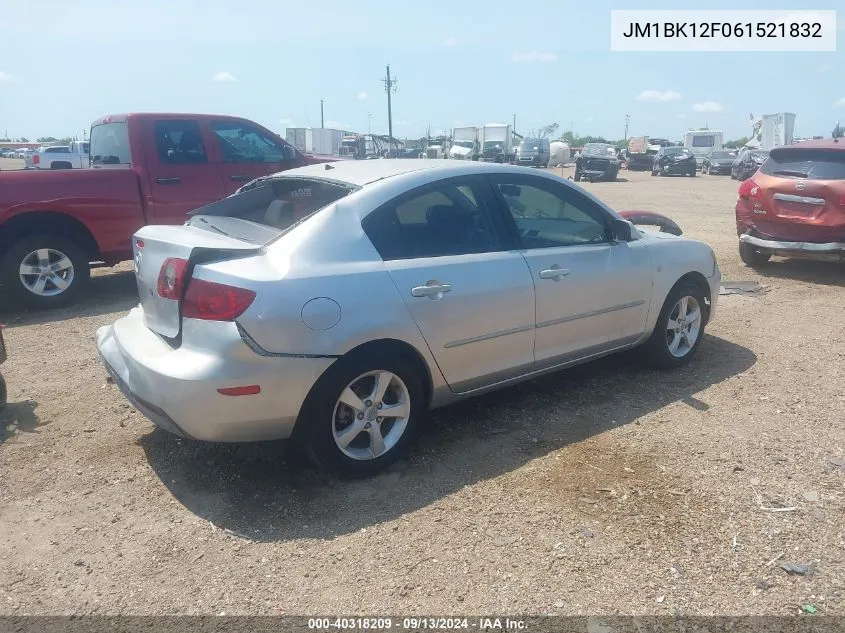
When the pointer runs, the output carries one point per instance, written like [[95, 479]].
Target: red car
[[794, 205], [145, 169]]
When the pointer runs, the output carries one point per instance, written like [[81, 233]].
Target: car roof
[[823, 143], [364, 172]]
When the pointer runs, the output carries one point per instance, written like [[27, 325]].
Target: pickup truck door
[[181, 175], [245, 151]]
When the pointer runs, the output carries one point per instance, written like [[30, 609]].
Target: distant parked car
[[534, 152], [719, 162], [748, 161], [597, 161], [73, 156], [22, 152], [674, 160], [407, 285], [792, 206]]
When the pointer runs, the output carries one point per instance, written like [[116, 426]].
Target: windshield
[[810, 164], [703, 141], [597, 149], [467, 144], [530, 144], [675, 151], [493, 143], [277, 203]]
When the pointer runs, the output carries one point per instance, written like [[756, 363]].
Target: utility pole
[[389, 84], [627, 118], [514, 123], [370, 123], [322, 124]]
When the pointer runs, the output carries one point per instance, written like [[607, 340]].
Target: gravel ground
[[605, 489]]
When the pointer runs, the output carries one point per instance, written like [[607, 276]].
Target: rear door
[[181, 176], [592, 293], [244, 151], [472, 299], [803, 191]]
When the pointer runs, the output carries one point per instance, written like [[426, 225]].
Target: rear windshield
[[57, 150], [703, 141], [277, 203], [110, 144], [811, 164], [722, 155]]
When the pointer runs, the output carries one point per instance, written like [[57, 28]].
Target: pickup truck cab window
[[110, 144], [179, 142], [243, 143]]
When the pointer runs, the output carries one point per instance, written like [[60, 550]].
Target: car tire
[[320, 435], [752, 256], [693, 173], [577, 176], [62, 251], [654, 172], [658, 351], [3, 393]]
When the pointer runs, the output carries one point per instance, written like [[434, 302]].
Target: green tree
[[23, 139], [46, 139], [740, 142]]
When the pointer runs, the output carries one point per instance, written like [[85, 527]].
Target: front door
[[181, 177], [244, 152], [592, 293], [472, 300]]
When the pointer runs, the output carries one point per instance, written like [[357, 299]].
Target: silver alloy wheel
[[371, 415], [46, 272], [683, 327]]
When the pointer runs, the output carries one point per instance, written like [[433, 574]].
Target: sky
[[65, 64]]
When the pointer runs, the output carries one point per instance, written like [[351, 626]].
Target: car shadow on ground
[[18, 417], [810, 271], [111, 292], [267, 492]]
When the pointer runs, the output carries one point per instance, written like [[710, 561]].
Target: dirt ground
[[605, 489], [8, 164]]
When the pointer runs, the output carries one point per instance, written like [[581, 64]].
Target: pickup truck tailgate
[[161, 290]]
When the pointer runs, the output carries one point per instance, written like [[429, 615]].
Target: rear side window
[[809, 164], [179, 142], [109, 144], [278, 203], [57, 150], [435, 221]]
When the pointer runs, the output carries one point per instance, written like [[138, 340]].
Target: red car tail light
[[36, 159], [211, 301], [171, 278], [749, 189], [249, 390]]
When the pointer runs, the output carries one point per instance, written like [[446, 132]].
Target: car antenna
[[328, 166]]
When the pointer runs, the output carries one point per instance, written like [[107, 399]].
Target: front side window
[[440, 220], [179, 142], [547, 216], [244, 143]]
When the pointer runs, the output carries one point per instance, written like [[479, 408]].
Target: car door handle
[[431, 290], [554, 273], [168, 181], [239, 178]]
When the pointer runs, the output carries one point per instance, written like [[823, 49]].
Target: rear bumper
[[176, 388], [813, 250]]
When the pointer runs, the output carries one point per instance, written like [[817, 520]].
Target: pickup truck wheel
[[45, 271]]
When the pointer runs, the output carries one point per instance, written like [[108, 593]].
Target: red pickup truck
[[145, 169]]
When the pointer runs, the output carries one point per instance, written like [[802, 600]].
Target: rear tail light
[[749, 189], [215, 302], [36, 159], [171, 278]]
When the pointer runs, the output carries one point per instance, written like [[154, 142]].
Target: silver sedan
[[336, 303]]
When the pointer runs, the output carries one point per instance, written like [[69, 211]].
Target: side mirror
[[621, 230]]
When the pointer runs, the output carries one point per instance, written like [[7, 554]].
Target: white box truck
[[465, 143], [777, 130], [497, 146]]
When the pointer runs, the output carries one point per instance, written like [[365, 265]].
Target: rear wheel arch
[[61, 224], [378, 346]]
